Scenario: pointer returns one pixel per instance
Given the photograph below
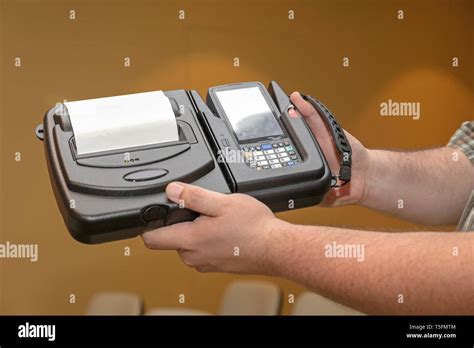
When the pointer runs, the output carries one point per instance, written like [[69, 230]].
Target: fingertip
[[292, 112], [302, 105], [174, 190], [295, 96], [147, 238], [298, 101], [169, 237]]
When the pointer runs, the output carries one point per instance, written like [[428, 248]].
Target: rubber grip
[[340, 139]]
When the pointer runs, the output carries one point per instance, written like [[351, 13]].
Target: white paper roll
[[122, 122]]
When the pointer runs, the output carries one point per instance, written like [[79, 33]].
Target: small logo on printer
[[128, 160]]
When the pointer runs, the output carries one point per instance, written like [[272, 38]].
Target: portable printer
[[110, 159]]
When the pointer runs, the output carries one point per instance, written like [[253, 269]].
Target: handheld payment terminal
[[254, 119], [241, 139]]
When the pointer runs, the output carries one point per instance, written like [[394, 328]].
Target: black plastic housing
[[282, 188], [99, 205]]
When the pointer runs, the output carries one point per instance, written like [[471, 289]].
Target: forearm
[[429, 187], [398, 272]]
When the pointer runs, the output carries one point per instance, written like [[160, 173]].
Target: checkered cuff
[[463, 139]]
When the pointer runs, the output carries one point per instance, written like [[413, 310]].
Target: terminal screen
[[249, 113]]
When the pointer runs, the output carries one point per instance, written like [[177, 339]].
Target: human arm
[[400, 273], [432, 276], [426, 186]]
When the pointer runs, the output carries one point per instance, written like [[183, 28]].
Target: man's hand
[[231, 235], [352, 193], [427, 186], [421, 266]]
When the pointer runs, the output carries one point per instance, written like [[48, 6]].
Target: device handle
[[340, 139]]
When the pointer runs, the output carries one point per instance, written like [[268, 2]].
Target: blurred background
[[407, 60]]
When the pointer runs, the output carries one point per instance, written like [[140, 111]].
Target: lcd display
[[249, 113]]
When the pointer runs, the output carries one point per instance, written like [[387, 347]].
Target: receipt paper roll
[[122, 122]]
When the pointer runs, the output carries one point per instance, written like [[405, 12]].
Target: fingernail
[[173, 191], [292, 112]]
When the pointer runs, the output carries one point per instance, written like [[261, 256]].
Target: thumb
[[200, 200], [305, 108], [312, 117]]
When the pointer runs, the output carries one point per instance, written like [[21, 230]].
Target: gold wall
[[405, 60]]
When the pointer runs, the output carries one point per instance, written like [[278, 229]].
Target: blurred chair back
[[175, 311], [115, 303], [309, 303], [251, 298]]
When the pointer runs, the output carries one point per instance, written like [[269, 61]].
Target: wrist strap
[[342, 144]]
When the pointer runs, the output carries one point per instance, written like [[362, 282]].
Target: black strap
[[342, 144]]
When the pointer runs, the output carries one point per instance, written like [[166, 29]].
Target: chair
[[251, 298], [175, 311], [309, 303], [115, 303], [240, 298]]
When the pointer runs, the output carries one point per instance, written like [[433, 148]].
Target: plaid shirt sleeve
[[463, 139]]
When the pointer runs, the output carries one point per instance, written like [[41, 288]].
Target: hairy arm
[[422, 272], [398, 273], [429, 187]]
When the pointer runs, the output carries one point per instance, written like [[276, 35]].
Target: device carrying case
[[103, 197]]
